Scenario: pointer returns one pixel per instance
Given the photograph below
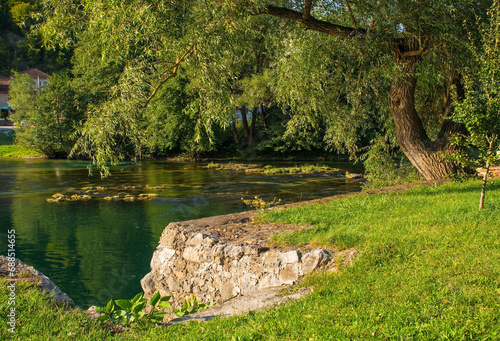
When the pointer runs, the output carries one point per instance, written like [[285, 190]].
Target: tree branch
[[400, 46], [307, 9], [352, 15], [172, 74], [315, 24]]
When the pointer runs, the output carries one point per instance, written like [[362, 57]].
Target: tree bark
[[244, 121], [483, 186], [235, 131], [264, 117], [251, 138], [248, 131], [429, 157]]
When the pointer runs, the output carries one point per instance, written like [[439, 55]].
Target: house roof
[[4, 87], [35, 73]]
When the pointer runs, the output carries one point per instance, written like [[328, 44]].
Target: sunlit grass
[[427, 268], [8, 148], [38, 318]]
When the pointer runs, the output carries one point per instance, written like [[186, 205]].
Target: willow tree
[[363, 65], [421, 45]]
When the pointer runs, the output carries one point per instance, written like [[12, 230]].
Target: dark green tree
[[47, 117]]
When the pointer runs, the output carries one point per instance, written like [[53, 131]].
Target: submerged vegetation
[[268, 169], [427, 269]]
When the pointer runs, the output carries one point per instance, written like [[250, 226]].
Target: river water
[[99, 249]]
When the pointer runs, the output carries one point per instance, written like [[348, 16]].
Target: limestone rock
[[313, 259], [221, 258], [190, 254], [288, 275], [289, 257]]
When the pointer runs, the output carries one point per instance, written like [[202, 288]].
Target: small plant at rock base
[[127, 312], [191, 307]]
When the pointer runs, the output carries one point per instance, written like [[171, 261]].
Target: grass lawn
[[9, 149], [428, 268]]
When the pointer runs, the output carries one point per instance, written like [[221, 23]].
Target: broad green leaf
[[186, 305], [137, 308], [154, 300], [137, 297], [110, 307], [165, 298], [125, 304], [164, 305], [103, 318], [179, 312]]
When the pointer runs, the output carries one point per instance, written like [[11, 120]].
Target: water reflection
[[96, 250]]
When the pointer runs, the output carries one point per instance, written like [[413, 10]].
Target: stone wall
[[219, 258]]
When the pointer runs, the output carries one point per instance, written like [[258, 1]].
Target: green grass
[[8, 148], [37, 318], [428, 268]]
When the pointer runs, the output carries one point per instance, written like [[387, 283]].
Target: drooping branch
[[166, 75], [314, 24]]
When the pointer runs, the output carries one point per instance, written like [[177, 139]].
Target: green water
[[96, 250]]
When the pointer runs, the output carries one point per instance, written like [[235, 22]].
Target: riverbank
[[427, 269], [8, 149]]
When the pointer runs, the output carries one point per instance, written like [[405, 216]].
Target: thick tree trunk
[[429, 157], [248, 131]]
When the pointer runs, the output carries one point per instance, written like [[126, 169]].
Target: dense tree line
[[21, 46], [348, 76]]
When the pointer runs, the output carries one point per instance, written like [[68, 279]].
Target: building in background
[[5, 109], [39, 78]]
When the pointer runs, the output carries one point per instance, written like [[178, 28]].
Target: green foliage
[[383, 169], [190, 307], [21, 97], [5, 16], [127, 312], [47, 117], [22, 12], [479, 112]]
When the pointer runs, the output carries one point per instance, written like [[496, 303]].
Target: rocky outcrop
[[219, 258], [26, 272]]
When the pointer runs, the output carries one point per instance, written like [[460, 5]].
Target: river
[[99, 249]]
